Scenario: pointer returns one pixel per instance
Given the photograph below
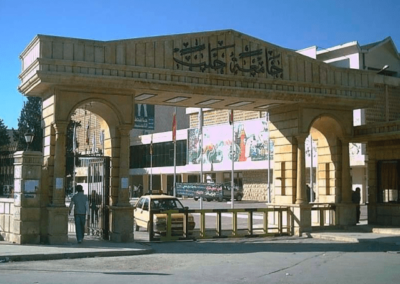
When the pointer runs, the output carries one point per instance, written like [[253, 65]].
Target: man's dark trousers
[[80, 226]]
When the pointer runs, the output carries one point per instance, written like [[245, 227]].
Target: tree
[[30, 121], [4, 139]]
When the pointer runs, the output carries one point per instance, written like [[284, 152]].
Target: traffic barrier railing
[[325, 210], [266, 230]]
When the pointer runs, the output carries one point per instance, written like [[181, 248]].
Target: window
[[163, 155], [237, 178], [146, 204], [193, 178], [139, 204], [388, 181]]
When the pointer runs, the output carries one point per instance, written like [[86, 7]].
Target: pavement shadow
[[280, 245]]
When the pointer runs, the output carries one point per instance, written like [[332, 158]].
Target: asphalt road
[[266, 260]]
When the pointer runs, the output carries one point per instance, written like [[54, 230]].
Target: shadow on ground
[[281, 245]]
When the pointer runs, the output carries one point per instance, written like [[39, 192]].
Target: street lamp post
[[28, 139]]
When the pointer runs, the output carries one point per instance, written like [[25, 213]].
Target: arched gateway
[[222, 69]]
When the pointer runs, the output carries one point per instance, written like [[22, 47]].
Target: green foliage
[[4, 139], [30, 121]]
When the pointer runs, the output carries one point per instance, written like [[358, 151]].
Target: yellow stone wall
[[220, 116]]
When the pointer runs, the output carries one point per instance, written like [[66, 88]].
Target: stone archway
[[117, 125], [222, 70], [331, 165], [290, 127]]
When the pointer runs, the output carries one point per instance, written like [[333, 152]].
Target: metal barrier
[[266, 230]]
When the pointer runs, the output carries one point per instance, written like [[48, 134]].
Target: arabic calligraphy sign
[[201, 57]]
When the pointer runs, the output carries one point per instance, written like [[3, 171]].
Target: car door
[[138, 213]]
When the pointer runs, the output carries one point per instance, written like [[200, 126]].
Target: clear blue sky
[[294, 24]]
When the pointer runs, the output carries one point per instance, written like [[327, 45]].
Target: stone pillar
[[58, 199], [146, 179], [346, 211], [27, 196], [346, 181], [124, 149], [57, 211], [301, 213], [121, 215], [164, 184], [301, 195]]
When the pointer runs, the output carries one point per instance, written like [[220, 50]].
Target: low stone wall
[[6, 218], [385, 214]]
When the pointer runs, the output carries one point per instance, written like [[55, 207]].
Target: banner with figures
[[250, 143]]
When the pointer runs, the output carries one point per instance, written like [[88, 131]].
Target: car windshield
[[165, 204]]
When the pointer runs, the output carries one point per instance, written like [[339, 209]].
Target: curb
[[353, 239], [73, 255], [335, 238]]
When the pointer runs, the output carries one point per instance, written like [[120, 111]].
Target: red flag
[[174, 127], [87, 134], [231, 116]]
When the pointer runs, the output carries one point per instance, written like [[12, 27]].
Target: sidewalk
[[361, 233], [90, 247], [94, 247]]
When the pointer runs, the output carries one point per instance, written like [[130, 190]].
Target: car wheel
[[195, 198], [239, 198], [208, 199]]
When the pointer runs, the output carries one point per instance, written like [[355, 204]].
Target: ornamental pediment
[[170, 64]]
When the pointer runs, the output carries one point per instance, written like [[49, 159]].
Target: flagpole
[[311, 170], [151, 165], [201, 151], [269, 159], [74, 151], [174, 127], [233, 159], [102, 141]]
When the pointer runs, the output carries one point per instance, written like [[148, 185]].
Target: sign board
[[144, 117]]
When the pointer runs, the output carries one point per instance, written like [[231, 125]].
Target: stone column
[[346, 181], [301, 212], [58, 199], [124, 149], [27, 196], [346, 211], [301, 195], [121, 215], [57, 211]]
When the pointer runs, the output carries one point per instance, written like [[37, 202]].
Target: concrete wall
[[255, 185]]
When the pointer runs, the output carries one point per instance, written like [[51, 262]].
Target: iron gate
[[93, 173], [98, 191]]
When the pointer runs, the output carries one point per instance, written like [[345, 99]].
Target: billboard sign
[[144, 117]]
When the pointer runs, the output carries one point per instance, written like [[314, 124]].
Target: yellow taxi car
[[148, 203]]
